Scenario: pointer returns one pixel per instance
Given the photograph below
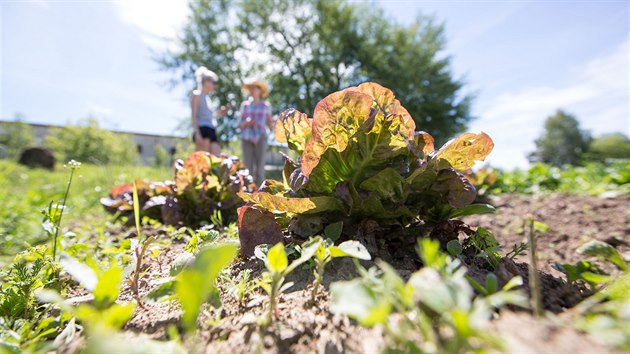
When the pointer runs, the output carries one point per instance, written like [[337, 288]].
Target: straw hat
[[264, 88]]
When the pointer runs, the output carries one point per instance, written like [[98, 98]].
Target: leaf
[[352, 249], [595, 278], [333, 231], [194, 285], [462, 152], [164, 290], [277, 258], [358, 301], [280, 204], [193, 171], [256, 227], [595, 248], [513, 283], [336, 118], [423, 143], [387, 184], [454, 248], [294, 128], [79, 272], [492, 283], [455, 188], [108, 287], [473, 209]]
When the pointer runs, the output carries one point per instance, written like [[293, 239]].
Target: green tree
[[609, 146], [88, 143], [161, 157], [15, 136], [307, 49], [562, 142]]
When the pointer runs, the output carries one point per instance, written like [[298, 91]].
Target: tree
[[88, 143], [307, 49], [610, 146], [562, 142], [15, 137]]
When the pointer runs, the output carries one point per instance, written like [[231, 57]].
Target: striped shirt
[[258, 112]]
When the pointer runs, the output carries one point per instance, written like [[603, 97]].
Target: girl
[[255, 120], [204, 123]]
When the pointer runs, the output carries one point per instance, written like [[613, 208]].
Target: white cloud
[[159, 20], [597, 95], [98, 111]]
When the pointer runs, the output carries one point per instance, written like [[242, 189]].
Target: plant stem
[[319, 274], [63, 207], [272, 297], [534, 277]]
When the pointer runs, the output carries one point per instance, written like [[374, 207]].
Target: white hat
[[202, 73]]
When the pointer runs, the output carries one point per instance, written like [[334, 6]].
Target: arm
[[269, 118], [270, 121], [194, 106]]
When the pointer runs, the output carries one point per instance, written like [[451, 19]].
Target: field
[[375, 241]]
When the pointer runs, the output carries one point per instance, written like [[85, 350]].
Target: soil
[[305, 327]]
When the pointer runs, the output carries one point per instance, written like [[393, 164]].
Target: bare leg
[[215, 148], [202, 145]]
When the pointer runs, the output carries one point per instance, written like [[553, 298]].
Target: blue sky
[[63, 60]]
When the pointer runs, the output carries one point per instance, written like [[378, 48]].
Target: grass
[[27, 191]]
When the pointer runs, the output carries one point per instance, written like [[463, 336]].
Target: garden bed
[[306, 327]]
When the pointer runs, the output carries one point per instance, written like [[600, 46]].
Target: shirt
[[205, 117], [258, 112]]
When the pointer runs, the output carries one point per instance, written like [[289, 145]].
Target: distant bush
[[88, 143], [612, 178], [610, 146], [15, 137], [161, 157]]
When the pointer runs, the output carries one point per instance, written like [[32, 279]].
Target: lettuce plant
[[361, 158], [203, 185]]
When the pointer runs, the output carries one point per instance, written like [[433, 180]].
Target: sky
[[61, 61]]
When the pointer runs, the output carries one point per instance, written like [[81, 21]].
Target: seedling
[[486, 246], [437, 309], [138, 251], [325, 253], [196, 284], [517, 250], [241, 286], [278, 267], [590, 272], [103, 314]]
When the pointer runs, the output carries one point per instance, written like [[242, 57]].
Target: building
[[147, 144]]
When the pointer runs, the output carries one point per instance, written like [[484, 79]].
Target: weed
[[278, 267], [325, 253], [437, 310], [52, 216]]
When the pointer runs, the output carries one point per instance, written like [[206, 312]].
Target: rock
[[38, 157]]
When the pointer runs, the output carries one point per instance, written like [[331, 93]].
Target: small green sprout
[[278, 267], [325, 253], [517, 250]]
